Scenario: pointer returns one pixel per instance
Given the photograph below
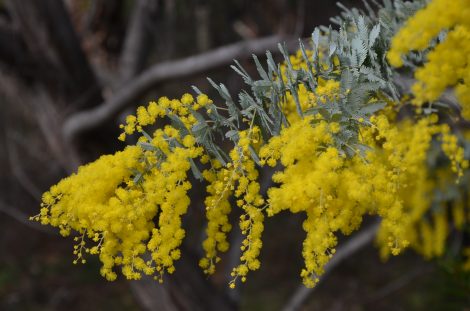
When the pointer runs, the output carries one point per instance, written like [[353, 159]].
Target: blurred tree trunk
[[138, 41], [47, 58], [53, 50]]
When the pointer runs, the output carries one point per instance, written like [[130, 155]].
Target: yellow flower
[[446, 64]]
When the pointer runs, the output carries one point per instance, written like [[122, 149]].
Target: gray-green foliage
[[366, 79]]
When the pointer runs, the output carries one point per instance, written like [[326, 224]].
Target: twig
[[353, 245], [233, 260], [167, 71]]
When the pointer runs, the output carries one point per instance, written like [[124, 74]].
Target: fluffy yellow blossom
[[326, 91], [114, 201], [454, 151], [217, 210], [250, 201], [446, 64], [184, 109], [237, 178], [130, 205], [391, 180]]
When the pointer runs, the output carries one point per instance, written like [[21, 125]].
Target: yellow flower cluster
[[220, 188], [404, 153], [130, 204], [453, 151], [326, 91], [313, 181], [447, 23], [170, 180], [391, 180], [405, 150], [91, 203], [433, 243], [237, 178], [250, 201], [115, 200], [447, 63], [149, 115]]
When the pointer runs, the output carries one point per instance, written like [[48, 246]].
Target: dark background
[[60, 58]]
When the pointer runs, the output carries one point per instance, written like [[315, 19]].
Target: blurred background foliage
[[58, 58]]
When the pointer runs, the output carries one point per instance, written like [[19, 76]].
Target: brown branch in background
[[243, 30], [61, 79], [138, 43], [202, 16], [300, 18], [45, 114], [50, 41], [138, 40], [354, 244], [164, 72], [17, 169], [49, 121]]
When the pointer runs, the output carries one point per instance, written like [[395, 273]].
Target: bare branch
[[353, 245], [159, 73], [48, 119], [202, 16], [46, 115], [20, 174], [137, 40], [48, 40], [300, 24]]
